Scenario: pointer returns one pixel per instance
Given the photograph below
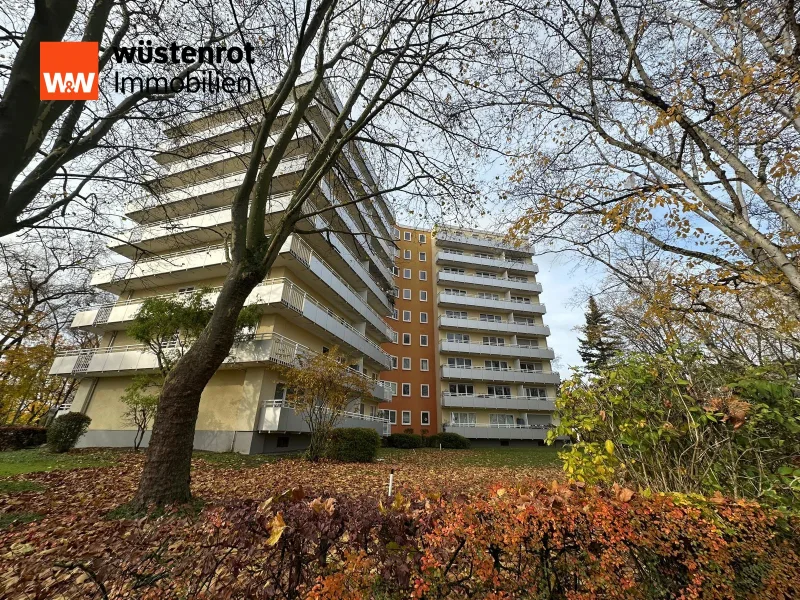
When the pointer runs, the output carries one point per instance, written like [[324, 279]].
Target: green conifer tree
[[599, 344]]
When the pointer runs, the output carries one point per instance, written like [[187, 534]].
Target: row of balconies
[[502, 375], [497, 402], [198, 264], [490, 283], [499, 432], [281, 416], [500, 304], [508, 350], [448, 257], [273, 295], [463, 238], [259, 349], [512, 326]]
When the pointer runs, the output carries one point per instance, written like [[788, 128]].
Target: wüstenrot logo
[[68, 71]]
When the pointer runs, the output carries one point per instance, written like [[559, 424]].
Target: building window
[[531, 367], [422, 238], [501, 420], [491, 340], [407, 254], [456, 314], [406, 294], [396, 233], [499, 391], [459, 363], [406, 273], [393, 417], [423, 276], [454, 270], [423, 317], [425, 390], [425, 417], [406, 363], [527, 343], [394, 362], [462, 389], [423, 296], [395, 314], [423, 340], [463, 419], [396, 291], [406, 339], [407, 236], [406, 389], [393, 388], [486, 274], [459, 338], [406, 417], [488, 296], [395, 337], [535, 393], [423, 364], [455, 292], [407, 316], [395, 271], [495, 365], [423, 256], [521, 299], [491, 318]]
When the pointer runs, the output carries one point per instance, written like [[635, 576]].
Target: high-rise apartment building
[[324, 290], [472, 357]]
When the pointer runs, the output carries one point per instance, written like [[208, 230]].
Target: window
[[423, 317], [395, 314], [463, 419], [406, 294], [407, 316], [460, 338], [406, 273], [406, 339], [460, 363], [407, 254], [423, 340], [501, 420], [423, 276], [518, 278], [496, 365], [486, 274], [423, 364], [524, 320], [456, 314], [423, 256], [423, 296], [395, 271], [394, 362], [406, 363], [488, 296], [425, 390], [491, 340], [454, 251], [531, 367], [406, 389], [484, 255], [521, 299], [396, 291], [396, 233], [527, 342], [501, 391], [393, 417], [455, 292], [454, 270], [406, 417], [282, 442], [395, 337], [393, 387], [425, 417], [407, 236], [535, 393], [461, 389], [422, 238], [491, 318]]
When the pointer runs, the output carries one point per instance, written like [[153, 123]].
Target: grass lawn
[[31, 461], [524, 457]]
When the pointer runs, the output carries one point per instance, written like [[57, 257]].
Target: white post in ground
[[391, 482]]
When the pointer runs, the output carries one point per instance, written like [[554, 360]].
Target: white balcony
[[499, 305], [489, 283], [509, 327], [507, 350], [260, 349], [281, 416], [499, 432], [273, 295], [467, 239], [507, 375], [212, 261], [497, 402], [445, 257]]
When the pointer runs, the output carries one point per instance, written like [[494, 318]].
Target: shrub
[[448, 440], [354, 444], [17, 438], [408, 430], [64, 431], [405, 441]]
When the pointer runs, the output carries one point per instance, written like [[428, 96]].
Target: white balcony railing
[[480, 239], [502, 326], [507, 264], [525, 403], [511, 350], [501, 304], [499, 374], [498, 283]]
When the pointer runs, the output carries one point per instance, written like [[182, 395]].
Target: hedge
[[452, 441], [406, 440], [355, 444], [64, 431], [17, 438]]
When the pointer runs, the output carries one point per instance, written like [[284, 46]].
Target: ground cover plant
[[460, 525]]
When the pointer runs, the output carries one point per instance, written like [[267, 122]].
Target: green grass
[[32, 461], [531, 456], [234, 460], [15, 487], [9, 519]]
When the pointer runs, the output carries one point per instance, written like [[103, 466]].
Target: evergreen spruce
[[598, 345]]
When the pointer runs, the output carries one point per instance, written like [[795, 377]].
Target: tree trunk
[[166, 475]]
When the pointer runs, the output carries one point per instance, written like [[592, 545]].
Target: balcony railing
[[486, 281], [482, 261], [281, 403], [515, 350], [525, 403], [480, 239], [502, 326], [499, 374], [503, 304]]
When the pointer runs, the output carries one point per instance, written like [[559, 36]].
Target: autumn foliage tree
[[321, 387]]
